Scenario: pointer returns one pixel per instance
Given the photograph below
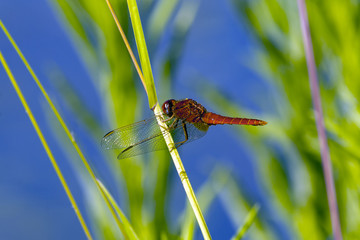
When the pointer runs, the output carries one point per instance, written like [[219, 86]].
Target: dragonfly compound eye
[[167, 107]]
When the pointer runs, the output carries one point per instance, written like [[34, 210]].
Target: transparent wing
[[156, 143], [146, 136], [182, 133], [187, 132], [129, 135]]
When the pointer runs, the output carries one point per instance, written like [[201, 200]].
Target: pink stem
[[325, 156]]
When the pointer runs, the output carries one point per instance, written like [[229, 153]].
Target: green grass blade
[[159, 18], [60, 119], [45, 145], [127, 226], [143, 53], [145, 62], [248, 222], [75, 103], [206, 195]]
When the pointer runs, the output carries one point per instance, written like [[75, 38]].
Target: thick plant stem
[[315, 93], [151, 91], [183, 176]]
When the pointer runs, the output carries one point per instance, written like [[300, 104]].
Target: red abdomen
[[214, 119]]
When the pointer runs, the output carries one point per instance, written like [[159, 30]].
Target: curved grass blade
[[45, 145], [127, 226], [60, 119]]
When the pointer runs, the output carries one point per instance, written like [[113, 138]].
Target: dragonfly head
[[167, 107]]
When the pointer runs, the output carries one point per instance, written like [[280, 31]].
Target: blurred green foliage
[[335, 32], [289, 162]]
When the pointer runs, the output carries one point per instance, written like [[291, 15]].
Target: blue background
[[33, 204]]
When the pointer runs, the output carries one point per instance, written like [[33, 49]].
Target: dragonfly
[[187, 120]]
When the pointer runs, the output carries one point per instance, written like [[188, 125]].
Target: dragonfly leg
[[166, 120], [171, 126], [174, 124]]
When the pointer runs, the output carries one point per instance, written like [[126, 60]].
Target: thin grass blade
[[45, 145], [206, 196], [62, 122], [130, 233], [247, 223]]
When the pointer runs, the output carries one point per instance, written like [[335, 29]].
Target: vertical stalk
[[182, 174], [315, 94], [149, 86]]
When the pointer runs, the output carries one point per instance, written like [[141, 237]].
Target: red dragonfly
[[187, 120]]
